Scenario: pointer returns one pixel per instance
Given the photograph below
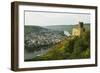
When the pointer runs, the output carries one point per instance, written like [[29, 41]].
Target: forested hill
[[65, 27]]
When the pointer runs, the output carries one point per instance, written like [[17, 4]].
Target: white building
[[66, 33]]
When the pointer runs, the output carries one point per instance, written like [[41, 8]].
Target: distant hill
[[61, 27], [65, 27], [29, 29]]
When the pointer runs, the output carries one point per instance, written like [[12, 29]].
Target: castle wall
[[76, 32]]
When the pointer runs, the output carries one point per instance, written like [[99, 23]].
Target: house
[[66, 33]]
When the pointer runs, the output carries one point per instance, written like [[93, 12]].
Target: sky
[[54, 18]]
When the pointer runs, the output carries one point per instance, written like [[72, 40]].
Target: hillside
[[68, 48], [37, 38], [52, 53], [42, 43]]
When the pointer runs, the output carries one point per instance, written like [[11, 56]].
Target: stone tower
[[77, 30]]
